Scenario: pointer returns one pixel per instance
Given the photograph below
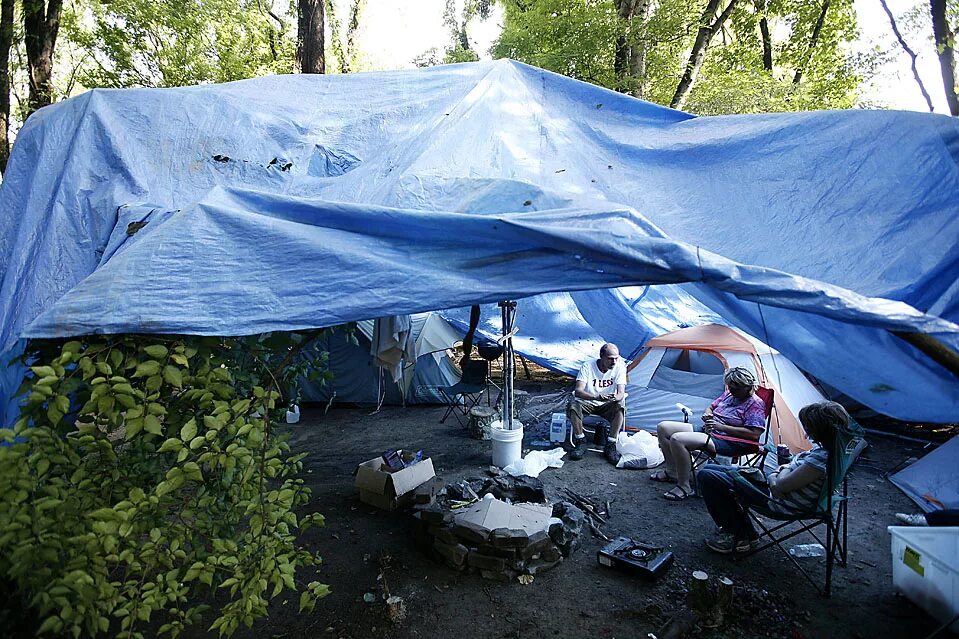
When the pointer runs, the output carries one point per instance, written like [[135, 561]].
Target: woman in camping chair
[[792, 488], [737, 412]]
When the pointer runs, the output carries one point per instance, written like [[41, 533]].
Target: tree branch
[[813, 40], [706, 32], [910, 52]]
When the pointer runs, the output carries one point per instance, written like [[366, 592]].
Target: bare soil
[[368, 551]]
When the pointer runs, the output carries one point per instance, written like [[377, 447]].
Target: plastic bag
[[639, 450], [293, 416], [536, 462]]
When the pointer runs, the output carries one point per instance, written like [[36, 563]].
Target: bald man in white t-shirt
[[600, 390]]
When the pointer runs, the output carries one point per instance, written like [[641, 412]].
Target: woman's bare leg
[[681, 444], [664, 432]]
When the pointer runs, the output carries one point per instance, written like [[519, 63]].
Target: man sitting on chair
[[600, 390]]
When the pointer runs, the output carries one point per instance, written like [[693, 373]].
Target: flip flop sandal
[[660, 475], [674, 496]]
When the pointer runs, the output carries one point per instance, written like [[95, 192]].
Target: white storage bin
[[925, 568]]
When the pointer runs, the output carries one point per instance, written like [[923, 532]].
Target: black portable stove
[[635, 557]]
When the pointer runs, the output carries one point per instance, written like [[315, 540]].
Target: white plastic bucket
[[507, 444]]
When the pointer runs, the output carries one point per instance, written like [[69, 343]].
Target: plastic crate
[[925, 568]]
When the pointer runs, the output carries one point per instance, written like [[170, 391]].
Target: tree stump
[[724, 600], [480, 419], [700, 599]]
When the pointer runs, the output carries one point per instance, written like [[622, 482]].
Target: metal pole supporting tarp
[[509, 315]]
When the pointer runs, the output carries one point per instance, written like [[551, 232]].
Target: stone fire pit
[[501, 527]]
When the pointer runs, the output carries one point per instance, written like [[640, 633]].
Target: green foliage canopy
[[578, 38], [129, 43], [143, 477]]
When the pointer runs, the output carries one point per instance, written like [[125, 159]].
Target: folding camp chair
[[756, 455], [831, 510], [466, 393]]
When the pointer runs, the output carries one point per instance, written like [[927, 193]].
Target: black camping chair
[[491, 352], [466, 393], [830, 513]]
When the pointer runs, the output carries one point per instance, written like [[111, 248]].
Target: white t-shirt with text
[[597, 382]]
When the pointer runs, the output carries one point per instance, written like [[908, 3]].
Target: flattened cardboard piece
[[491, 514], [385, 490]]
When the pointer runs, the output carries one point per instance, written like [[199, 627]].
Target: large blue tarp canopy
[[288, 202]]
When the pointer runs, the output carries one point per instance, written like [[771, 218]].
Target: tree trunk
[[707, 30], [6, 40], [813, 41], [310, 37], [766, 37], [41, 22], [943, 36], [629, 63]]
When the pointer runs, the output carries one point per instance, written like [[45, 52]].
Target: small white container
[[925, 568], [507, 444], [557, 428]]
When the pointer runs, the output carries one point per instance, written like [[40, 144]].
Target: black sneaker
[[579, 448], [610, 453]]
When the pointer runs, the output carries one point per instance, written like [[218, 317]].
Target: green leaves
[[156, 351], [166, 444], [146, 369], [591, 41], [172, 376], [188, 431]]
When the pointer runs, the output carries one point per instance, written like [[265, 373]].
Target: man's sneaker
[[610, 453], [917, 519], [579, 448], [724, 543]]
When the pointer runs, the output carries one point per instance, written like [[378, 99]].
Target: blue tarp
[[287, 202], [933, 477]]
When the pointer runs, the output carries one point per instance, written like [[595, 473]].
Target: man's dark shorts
[[604, 409]]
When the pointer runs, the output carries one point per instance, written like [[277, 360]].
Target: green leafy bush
[[144, 486]]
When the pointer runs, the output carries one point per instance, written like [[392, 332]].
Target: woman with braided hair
[[737, 413]]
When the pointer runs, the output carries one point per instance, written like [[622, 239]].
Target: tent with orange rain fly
[[686, 367]]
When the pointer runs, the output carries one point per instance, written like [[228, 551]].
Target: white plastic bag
[[639, 450], [536, 462], [293, 416]]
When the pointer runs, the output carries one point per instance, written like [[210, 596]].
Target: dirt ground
[[365, 550]]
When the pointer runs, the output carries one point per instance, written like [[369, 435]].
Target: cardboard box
[[388, 490]]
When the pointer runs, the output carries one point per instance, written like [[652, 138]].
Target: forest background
[[706, 57]]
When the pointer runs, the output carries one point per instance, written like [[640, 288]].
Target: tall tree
[[945, 39], [41, 23], [630, 58], [6, 41], [813, 40], [310, 36], [766, 36], [344, 44], [709, 25]]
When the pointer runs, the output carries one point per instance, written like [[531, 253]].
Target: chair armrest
[[736, 440]]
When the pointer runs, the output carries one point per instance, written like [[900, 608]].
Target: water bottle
[[783, 456], [807, 550]]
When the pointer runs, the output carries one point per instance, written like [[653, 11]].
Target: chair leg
[[830, 555]]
